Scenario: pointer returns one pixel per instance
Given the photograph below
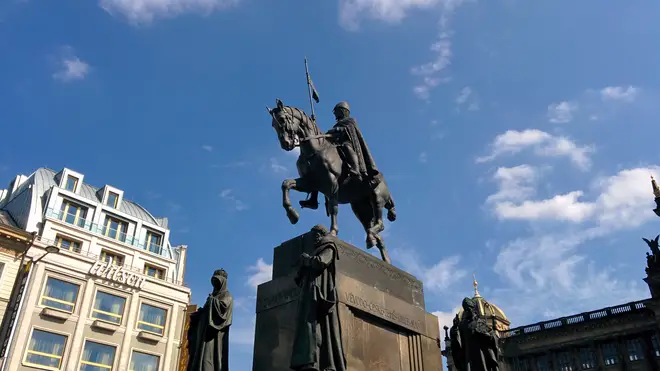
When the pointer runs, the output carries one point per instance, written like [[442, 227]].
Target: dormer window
[[112, 199], [115, 228], [71, 183], [154, 242]]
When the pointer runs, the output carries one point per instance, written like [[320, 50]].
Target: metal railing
[[91, 255], [105, 231], [578, 318]]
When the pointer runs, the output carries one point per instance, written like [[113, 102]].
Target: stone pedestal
[[385, 326]]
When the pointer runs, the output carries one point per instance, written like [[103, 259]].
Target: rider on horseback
[[352, 149], [352, 146]]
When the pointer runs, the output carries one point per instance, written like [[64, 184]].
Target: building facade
[[13, 243], [624, 337], [111, 298]]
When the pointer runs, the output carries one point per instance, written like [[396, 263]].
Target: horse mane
[[304, 119]]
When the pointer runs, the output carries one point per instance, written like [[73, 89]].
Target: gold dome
[[488, 310]]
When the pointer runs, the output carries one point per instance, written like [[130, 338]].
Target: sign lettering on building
[[116, 273]]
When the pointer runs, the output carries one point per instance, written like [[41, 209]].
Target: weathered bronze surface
[[337, 164], [317, 343], [379, 330], [208, 334], [474, 346]]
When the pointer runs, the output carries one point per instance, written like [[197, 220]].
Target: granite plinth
[[383, 319]]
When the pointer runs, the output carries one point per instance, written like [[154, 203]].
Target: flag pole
[[309, 90]]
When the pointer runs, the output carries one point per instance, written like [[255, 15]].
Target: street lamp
[[49, 249], [656, 194]]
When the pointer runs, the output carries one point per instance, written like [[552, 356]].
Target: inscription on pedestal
[[382, 312], [277, 299], [365, 259]]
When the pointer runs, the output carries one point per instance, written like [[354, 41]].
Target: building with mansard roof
[[100, 285]]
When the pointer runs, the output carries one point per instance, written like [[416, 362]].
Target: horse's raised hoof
[[309, 204], [371, 242], [391, 215], [292, 214]]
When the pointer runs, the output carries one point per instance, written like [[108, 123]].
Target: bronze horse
[[322, 169]]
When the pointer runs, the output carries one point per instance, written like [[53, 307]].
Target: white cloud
[[463, 95], [276, 167], [514, 183], [350, 11], [207, 148], [564, 207], [432, 72], [437, 277], [544, 144], [423, 157], [70, 67], [228, 195], [261, 272], [622, 201], [146, 11], [620, 93], [445, 319], [547, 275], [562, 112]]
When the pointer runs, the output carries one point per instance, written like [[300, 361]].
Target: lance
[[311, 90]]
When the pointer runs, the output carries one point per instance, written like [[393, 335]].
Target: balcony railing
[[579, 318], [87, 253], [105, 231]]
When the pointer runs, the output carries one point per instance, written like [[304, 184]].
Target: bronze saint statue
[[317, 345], [208, 335], [474, 346], [337, 164]]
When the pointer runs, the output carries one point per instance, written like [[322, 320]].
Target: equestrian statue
[[337, 164]]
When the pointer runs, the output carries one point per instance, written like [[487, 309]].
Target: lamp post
[[50, 249]]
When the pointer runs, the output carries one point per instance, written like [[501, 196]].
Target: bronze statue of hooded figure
[[474, 346], [208, 335], [317, 345]]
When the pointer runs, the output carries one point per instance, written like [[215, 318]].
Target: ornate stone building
[[100, 286], [623, 337]]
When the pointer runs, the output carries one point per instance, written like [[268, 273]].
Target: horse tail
[[391, 212]]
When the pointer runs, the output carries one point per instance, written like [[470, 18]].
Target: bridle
[[287, 123]]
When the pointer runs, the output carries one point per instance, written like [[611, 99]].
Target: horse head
[[286, 125]]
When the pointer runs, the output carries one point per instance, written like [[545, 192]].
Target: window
[[144, 362], [152, 319], [112, 258], [610, 354], [71, 183], [108, 307], [112, 199], [73, 213], [153, 242], [45, 349], [542, 363], [522, 364], [587, 359], [635, 351], [2, 269], [152, 271], [115, 228], [97, 357], [656, 344], [60, 295], [66, 243], [564, 361]]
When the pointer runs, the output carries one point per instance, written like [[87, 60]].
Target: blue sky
[[517, 137]]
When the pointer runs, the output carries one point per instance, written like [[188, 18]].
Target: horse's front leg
[[291, 213], [333, 209]]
